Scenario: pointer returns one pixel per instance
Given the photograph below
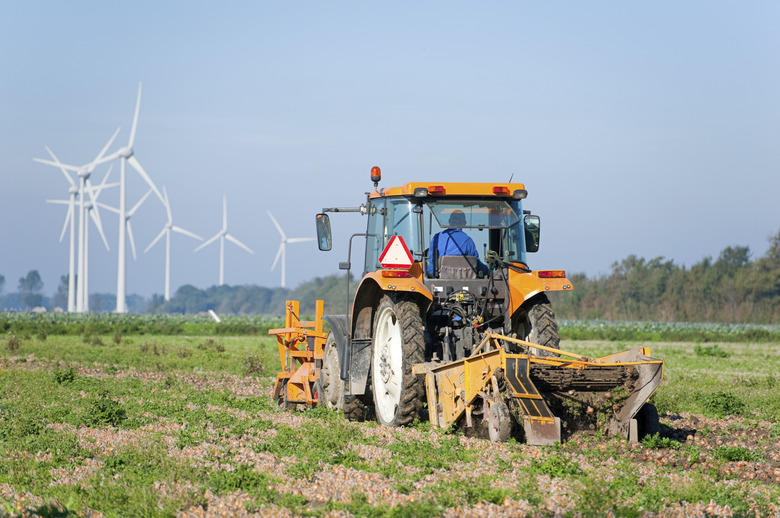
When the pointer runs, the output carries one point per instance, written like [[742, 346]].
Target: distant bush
[[13, 342], [714, 351]]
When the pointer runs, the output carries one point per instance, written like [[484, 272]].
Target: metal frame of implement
[[453, 388], [301, 350]]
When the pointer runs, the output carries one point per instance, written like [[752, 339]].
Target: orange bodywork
[[399, 280], [450, 189], [301, 344], [523, 286]]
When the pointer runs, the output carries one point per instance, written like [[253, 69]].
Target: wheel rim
[[329, 376], [387, 365]]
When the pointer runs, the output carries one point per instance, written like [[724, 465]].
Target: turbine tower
[[282, 252], [222, 235], [84, 188], [127, 156], [166, 231]]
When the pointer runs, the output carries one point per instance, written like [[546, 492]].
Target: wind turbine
[[70, 220], [282, 252], [84, 187], [127, 156], [166, 231], [222, 235], [91, 210]]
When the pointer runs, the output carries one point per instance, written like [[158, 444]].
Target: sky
[[637, 128]]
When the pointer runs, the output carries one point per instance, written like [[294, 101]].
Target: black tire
[[647, 421], [354, 409], [398, 344], [281, 402], [539, 325], [330, 383]]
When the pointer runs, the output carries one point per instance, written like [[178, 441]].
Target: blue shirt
[[453, 241]]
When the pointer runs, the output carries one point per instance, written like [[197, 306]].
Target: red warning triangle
[[396, 254]]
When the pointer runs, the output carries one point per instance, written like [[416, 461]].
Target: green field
[[159, 425]]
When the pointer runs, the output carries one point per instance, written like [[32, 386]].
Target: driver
[[453, 241]]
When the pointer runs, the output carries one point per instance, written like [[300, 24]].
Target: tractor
[[463, 334]]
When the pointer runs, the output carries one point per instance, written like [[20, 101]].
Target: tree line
[[734, 288], [730, 289]]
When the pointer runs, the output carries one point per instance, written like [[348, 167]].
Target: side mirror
[[324, 239], [531, 225]]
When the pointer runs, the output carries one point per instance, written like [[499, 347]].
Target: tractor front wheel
[[398, 344]]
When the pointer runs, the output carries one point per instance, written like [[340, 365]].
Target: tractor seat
[[458, 267]]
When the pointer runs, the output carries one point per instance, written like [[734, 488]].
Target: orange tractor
[[450, 323]]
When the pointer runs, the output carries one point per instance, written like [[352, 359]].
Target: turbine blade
[[239, 243], [140, 202], [67, 220], [107, 207], [61, 166], [130, 236], [59, 202], [99, 159], [299, 239], [224, 213], [186, 232], [207, 243], [96, 220], [140, 170], [56, 164], [278, 255], [167, 205], [135, 117], [94, 211], [154, 241], [278, 227]]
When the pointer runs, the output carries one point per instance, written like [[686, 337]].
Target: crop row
[[200, 325]]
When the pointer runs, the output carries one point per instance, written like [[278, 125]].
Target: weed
[[209, 344], [253, 365], [92, 339], [693, 455], [656, 442], [183, 353], [735, 454], [556, 465], [117, 337], [243, 478], [722, 403], [713, 351], [64, 376], [106, 412], [41, 333], [12, 342]]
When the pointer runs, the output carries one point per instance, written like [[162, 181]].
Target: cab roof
[[451, 189]]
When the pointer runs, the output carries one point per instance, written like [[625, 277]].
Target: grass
[[153, 425]]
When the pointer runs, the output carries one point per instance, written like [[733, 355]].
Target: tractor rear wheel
[[398, 344], [332, 393], [539, 326]]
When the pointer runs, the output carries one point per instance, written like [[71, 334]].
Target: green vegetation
[[157, 425], [733, 288]]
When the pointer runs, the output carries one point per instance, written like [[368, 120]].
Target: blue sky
[[638, 129]]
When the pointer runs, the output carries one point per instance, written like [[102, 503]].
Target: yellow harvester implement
[[301, 345]]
